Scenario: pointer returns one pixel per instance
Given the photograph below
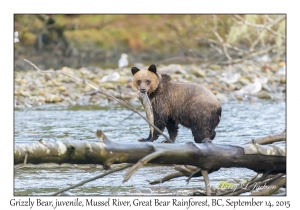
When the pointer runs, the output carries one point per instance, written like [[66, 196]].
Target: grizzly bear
[[174, 103]]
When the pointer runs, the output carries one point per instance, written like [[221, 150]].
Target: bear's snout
[[143, 90]]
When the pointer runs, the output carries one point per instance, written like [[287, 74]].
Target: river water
[[241, 121]]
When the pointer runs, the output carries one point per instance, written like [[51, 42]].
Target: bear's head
[[145, 80]]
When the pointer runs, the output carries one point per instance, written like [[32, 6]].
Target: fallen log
[[270, 139], [206, 156]]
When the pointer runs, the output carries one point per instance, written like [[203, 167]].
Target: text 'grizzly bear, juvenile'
[[174, 103]]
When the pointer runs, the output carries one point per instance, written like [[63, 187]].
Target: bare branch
[[167, 178], [250, 55], [206, 180], [141, 163], [92, 179], [220, 39], [267, 27], [270, 139]]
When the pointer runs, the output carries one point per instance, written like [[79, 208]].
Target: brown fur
[[174, 103]]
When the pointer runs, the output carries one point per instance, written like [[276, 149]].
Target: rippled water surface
[[241, 122]]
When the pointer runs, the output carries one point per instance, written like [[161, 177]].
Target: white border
[[154, 6]]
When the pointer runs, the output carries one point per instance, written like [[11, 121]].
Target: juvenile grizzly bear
[[174, 103]]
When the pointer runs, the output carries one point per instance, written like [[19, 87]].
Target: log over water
[[206, 156]]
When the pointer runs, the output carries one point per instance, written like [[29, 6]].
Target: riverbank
[[33, 89]]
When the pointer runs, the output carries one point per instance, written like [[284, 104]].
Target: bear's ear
[[152, 68], [134, 70]]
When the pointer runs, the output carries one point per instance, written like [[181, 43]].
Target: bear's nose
[[143, 90]]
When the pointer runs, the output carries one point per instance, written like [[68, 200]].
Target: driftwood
[[92, 179], [271, 139], [107, 152]]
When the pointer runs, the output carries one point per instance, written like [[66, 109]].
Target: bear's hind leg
[[201, 134]]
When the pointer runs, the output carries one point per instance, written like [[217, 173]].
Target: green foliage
[[157, 33], [225, 184]]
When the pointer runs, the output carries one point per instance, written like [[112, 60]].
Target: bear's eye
[[139, 82], [148, 82]]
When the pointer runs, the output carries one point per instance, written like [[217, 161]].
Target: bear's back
[[183, 99], [186, 91]]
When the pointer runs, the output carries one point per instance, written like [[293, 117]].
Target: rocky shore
[[249, 80]]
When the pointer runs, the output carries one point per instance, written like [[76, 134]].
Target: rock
[[110, 77], [266, 87], [94, 99], [87, 88], [215, 67], [34, 89], [41, 99], [68, 71], [274, 68], [57, 99], [282, 80], [124, 72], [277, 98], [264, 95], [84, 70], [189, 77], [108, 85], [250, 68], [122, 80], [208, 80], [42, 92], [173, 68], [216, 84], [244, 80], [56, 82], [199, 73], [95, 80], [239, 97], [24, 93], [281, 64], [221, 97], [28, 105], [62, 88], [53, 99], [231, 87], [176, 77], [22, 81]]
